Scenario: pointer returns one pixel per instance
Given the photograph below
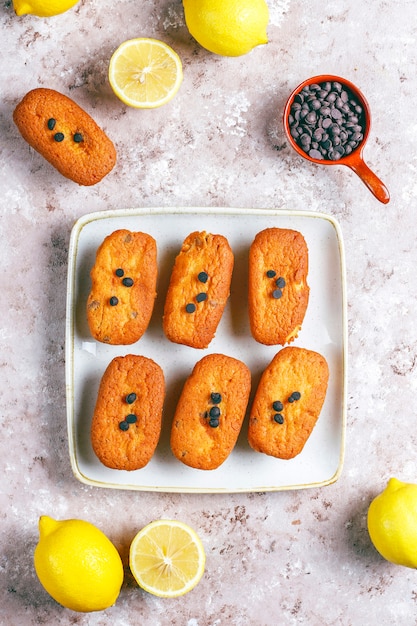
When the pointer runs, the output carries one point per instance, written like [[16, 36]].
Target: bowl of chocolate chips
[[327, 121]]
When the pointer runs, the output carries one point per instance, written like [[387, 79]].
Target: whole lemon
[[392, 523], [77, 564], [42, 8], [227, 27]]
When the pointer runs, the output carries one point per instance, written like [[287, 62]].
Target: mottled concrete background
[[291, 557]]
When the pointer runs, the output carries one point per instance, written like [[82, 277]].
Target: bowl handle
[[371, 180]]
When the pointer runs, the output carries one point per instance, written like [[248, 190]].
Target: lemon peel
[[77, 564], [227, 27], [392, 523], [167, 558], [42, 8]]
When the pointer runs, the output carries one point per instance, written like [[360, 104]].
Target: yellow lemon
[[227, 27], [392, 523], [77, 564], [167, 558], [145, 73], [42, 8]]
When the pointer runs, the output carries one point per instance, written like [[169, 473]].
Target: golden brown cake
[[198, 290], [65, 135], [128, 414], [288, 402], [123, 290], [278, 290], [210, 411]]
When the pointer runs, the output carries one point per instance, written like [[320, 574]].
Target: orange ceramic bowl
[[354, 160]]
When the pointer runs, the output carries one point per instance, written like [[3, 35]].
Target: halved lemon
[[145, 73], [167, 558]]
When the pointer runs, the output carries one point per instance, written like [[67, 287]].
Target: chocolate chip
[[190, 308], [59, 137], [114, 301], [203, 277], [131, 418], [271, 273], [277, 294], [315, 154], [200, 297], [131, 397], [128, 282], [214, 411], [119, 272], [305, 140], [78, 138], [277, 405], [216, 397], [123, 425], [280, 282], [278, 418], [214, 423], [296, 395], [311, 118], [51, 123]]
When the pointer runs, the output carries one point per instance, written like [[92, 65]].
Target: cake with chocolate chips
[[198, 290], [278, 289], [210, 411], [65, 135], [123, 287], [288, 402], [127, 417]]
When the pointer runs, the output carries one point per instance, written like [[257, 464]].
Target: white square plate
[[324, 330]]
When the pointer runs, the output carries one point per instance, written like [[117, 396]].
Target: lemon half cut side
[[145, 73], [167, 558]]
